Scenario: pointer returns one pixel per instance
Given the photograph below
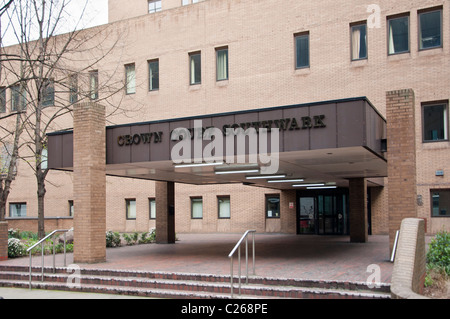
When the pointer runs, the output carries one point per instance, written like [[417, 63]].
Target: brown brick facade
[[3, 241], [89, 183], [358, 210], [401, 134]]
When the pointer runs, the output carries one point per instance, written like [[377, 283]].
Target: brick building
[[365, 83]]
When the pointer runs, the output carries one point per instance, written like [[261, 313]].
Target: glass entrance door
[[323, 213]]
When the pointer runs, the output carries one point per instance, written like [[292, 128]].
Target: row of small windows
[[440, 206], [156, 5]]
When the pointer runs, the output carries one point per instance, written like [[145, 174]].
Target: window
[[71, 208], [130, 78], [435, 122], [224, 206], [359, 41], [154, 6], [272, 206], [73, 88], [18, 98], [186, 2], [398, 29], [430, 29], [153, 75], [2, 99], [302, 50], [152, 208], [440, 203], [195, 67], [93, 85], [131, 208], [48, 92], [18, 210], [197, 208], [222, 64]]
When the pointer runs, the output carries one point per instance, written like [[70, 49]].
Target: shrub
[[112, 239], [13, 233], [438, 255], [15, 248]]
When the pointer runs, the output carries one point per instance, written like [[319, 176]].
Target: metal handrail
[[238, 248], [42, 251]]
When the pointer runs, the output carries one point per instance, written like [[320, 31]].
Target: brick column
[[89, 184], [358, 210], [401, 156], [3, 241], [165, 212]]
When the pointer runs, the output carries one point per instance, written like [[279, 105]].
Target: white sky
[[96, 13]]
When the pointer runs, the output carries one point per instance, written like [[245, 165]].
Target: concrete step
[[177, 285]]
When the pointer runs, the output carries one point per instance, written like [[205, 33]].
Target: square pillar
[[165, 212], [3, 241], [359, 232], [401, 158], [89, 183]]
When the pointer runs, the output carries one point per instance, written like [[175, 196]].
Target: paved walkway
[[284, 256]]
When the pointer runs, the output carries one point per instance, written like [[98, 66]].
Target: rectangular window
[[2, 99], [18, 98], [196, 208], [359, 41], [435, 122], [154, 6], [222, 64], [130, 78], [440, 203], [48, 91], [153, 75], [398, 35], [131, 208], [224, 206], [302, 50], [184, 2], [272, 206], [430, 29], [71, 208], [152, 208], [93, 85], [195, 67], [18, 210], [73, 88]]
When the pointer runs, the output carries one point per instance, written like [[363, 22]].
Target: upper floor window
[[18, 210], [2, 99], [430, 29], [153, 75], [48, 92], [302, 50], [18, 98], [435, 122], [195, 66], [440, 203], [93, 85], [130, 78], [398, 35], [73, 88], [222, 64], [359, 41], [154, 6]]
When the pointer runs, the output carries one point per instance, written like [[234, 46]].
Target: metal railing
[[41, 242], [238, 248]]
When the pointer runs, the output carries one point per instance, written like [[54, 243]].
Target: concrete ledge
[[409, 271]]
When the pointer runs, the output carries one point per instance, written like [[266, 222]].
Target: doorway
[[323, 212]]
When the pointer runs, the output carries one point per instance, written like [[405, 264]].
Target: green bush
[[438, 255], [15, 248], [112, 239], [13, 233]]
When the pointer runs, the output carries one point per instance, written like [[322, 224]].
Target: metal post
[[30, 268], [239, 272], [246, 259], [254, 273], [54, 256], [231, 277]]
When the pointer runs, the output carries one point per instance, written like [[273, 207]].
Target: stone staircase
[[184, 286]]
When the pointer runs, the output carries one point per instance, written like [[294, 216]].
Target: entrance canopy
[[323, 143]]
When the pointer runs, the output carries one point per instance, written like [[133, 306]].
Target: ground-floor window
[[130, 208], [440, 203], [18, 210], [196, 207], [224, 206], [272, 206], [71, 208], [152, 208]]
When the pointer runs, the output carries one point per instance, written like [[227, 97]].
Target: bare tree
[[41, 69]]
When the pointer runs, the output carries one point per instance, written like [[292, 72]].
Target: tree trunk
[[41, 199]]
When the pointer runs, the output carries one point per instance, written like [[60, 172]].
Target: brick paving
[[282, 256]]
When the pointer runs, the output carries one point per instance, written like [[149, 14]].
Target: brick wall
[[3, 241], [408, 275], [401, 158]]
